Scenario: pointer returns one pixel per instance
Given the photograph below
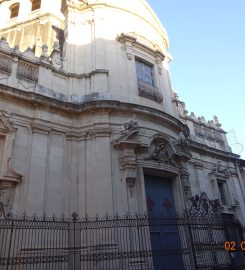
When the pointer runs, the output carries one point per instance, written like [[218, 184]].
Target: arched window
[[36, 4], [14, 10]]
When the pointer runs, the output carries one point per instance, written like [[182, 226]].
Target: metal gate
[[208, 235]]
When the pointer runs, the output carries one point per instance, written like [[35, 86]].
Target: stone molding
[[183, 113], [27, 71], [202, 148], [69, 107], [8, 176], [219, 172], [6, 63], [150, 92], [71, 5], [131, 45], [28, 58], [89, 106], [131, 41]]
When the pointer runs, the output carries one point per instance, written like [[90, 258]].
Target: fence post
[[139, 237], [74, 244], [194, 257], [10, 243]]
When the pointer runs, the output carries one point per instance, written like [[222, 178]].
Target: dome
[[122, 38], [138, 8]]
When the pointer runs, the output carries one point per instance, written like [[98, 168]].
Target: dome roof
[[139, 8]]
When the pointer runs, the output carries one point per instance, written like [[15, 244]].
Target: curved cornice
[[35, 99]]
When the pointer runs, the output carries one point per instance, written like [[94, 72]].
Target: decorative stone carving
[[27, 71], [127, 44], [56, 55], [44, 56], [216, 121], [182, 147], [184, 177], [220, 169], [180, 105], [4, 44], [128, 140], [29, 53], [129, 132], [193, 116], [129, 125], [161, 154], [17, 48], [175, 97], [6, 63], [8, 176], [241, 166], [159, 58], [131, 183], [202, 120], [125, 145], [161, 151]]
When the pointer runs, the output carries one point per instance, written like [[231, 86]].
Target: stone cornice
[[124, 38], [31, 20], [212, 151], [35, 60], [84, 107], [196, 121], [71, 5]]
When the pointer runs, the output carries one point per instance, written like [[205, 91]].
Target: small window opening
[[14, 9], [222, 192], [36, 4]]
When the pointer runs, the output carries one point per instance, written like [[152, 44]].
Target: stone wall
[[32, 28]]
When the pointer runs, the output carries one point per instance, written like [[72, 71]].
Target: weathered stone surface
[[82, 131]]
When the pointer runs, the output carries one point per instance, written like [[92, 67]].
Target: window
[[146, 82], [222, 192], [14, 9], [36, 4], [144, 72]]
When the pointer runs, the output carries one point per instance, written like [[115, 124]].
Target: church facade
[[89, 121]]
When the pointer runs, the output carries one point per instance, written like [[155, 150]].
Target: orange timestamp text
[[233, 246]]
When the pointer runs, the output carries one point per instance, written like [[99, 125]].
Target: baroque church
[[89, 121], [90, 128]]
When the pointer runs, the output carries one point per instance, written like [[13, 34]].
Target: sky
[[207, 43]]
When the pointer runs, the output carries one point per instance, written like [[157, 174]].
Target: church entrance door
[[165, 239]]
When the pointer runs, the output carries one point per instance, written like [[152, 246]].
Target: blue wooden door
[[165, 239]]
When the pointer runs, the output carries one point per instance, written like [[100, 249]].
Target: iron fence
[[138, 242]]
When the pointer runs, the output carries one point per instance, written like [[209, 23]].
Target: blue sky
[[207, 43]]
